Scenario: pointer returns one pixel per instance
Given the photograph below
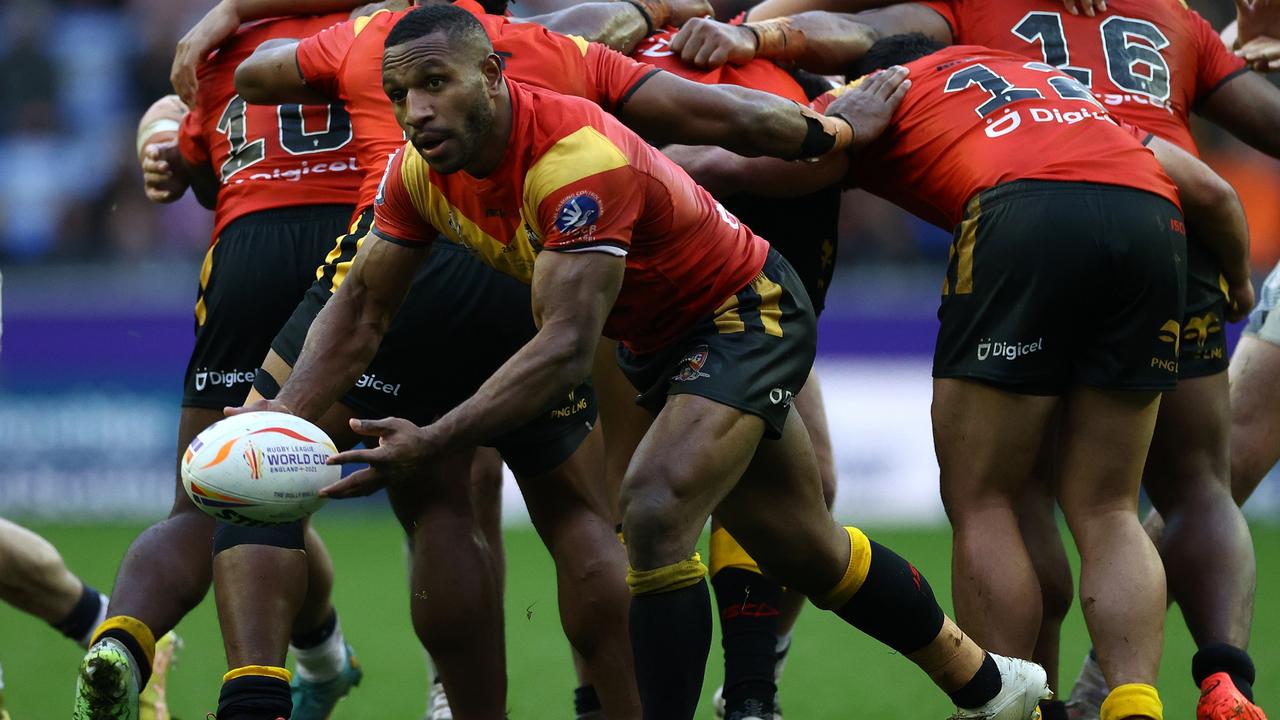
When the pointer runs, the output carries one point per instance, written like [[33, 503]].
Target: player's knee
[[652, 527], [667, 578], [289, 536]]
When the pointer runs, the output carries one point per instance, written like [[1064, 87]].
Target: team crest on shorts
[[691, 365], [578, 214]]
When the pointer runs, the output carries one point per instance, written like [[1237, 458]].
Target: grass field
[[833, 672]]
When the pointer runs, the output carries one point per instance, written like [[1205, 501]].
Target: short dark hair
[[895, 50], [457, 24]]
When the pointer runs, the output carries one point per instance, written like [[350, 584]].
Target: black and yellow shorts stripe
[[338, 262], [1054, 284], [252, 277], [753, 353], [459, 323]]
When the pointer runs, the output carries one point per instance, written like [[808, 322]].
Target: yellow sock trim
[[854, 575], [137, 629], [668, 578], [278, 673], [727, 553], [1134, 700]]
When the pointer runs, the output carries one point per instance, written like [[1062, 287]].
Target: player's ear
[[492, 69]]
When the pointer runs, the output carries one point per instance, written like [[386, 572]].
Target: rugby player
[[1150, 62], [703, 301], [284, 181]]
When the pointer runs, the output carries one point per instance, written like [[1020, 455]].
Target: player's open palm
[[707, 43], [868, 105], [400, 454]]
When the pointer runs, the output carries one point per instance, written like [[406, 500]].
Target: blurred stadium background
[[98, 287]]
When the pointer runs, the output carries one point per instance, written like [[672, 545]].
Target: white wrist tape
[[153, 127]]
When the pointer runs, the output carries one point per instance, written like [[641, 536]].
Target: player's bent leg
[[987, 441], [748, 604], [1105, 437], [34, 579], [693, 454], [623, 421], [1039, 528], [486, 498], [778, 512], [571, 510], [454, 590], [1255, 413]]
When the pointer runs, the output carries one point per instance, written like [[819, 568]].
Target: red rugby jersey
[[574, 179], [345, 63], [268, 156], [1148, 61], [758, 74], [975, 118]]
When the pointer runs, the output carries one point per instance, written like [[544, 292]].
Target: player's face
[[444, 98]]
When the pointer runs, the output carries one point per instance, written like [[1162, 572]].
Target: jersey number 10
[[294, 137]]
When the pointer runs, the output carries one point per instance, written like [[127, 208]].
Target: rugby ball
[[259, 468]]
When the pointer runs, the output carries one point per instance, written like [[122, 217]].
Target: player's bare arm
[[347, 332], [1214, 212], [1247, 106], [573, 293], [620, 25], [270, 76], [223, 20], [821, 42]]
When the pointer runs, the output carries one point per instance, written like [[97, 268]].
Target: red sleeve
[[614, 75], [320, 56], [947, 9], [596, 213], [1216, 64], [191, 139], [395, 218]]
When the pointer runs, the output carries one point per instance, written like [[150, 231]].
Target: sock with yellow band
[[670, 636], [255, 692], [136, 638], [748, 605], [1132, 701]]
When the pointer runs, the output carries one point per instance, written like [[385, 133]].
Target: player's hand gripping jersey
[[757, 74], [575, 180], [975, 118], [1148, 61], [345, 63], [268, 157]]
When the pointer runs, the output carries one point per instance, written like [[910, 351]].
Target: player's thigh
[[441, 486], [191, 422], [1105, 437], [813, 411], [1255, 413], [1189, 453], [623, 421]]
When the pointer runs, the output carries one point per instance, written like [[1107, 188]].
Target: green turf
[[833, 671]]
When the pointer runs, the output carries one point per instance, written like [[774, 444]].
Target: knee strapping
[[854, 575], [683, 574], [727, 553], [290, 536], [1132, 700]]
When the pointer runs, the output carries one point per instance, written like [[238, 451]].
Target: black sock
[[671, 638], [135, 650], [79, 622], [585, 700], [254, 697], [748, 606], [979, 690], [895, 604], [312, 638], [1054, 710], [1221, 657]]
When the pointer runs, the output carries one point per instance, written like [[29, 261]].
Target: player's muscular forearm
[[725, 174], [345, 335], [619, 25], [782, 8], [270, 76], [667, 109], [1248, 106], [572, 295], [821, 42]]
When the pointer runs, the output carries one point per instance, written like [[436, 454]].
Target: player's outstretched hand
[[682, 11], [708, 43], [402, 449], [869, 105], [213, 29], [1240, 300], [1088, 7], [260, 405], [160, 179]]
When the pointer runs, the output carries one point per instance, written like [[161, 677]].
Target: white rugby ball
[[259, 468]]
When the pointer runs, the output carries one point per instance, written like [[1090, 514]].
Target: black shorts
[[342, 252], [1204, 342], [754, 353], [253, 276], [459, 323], [804, 229], [1053, 284]]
